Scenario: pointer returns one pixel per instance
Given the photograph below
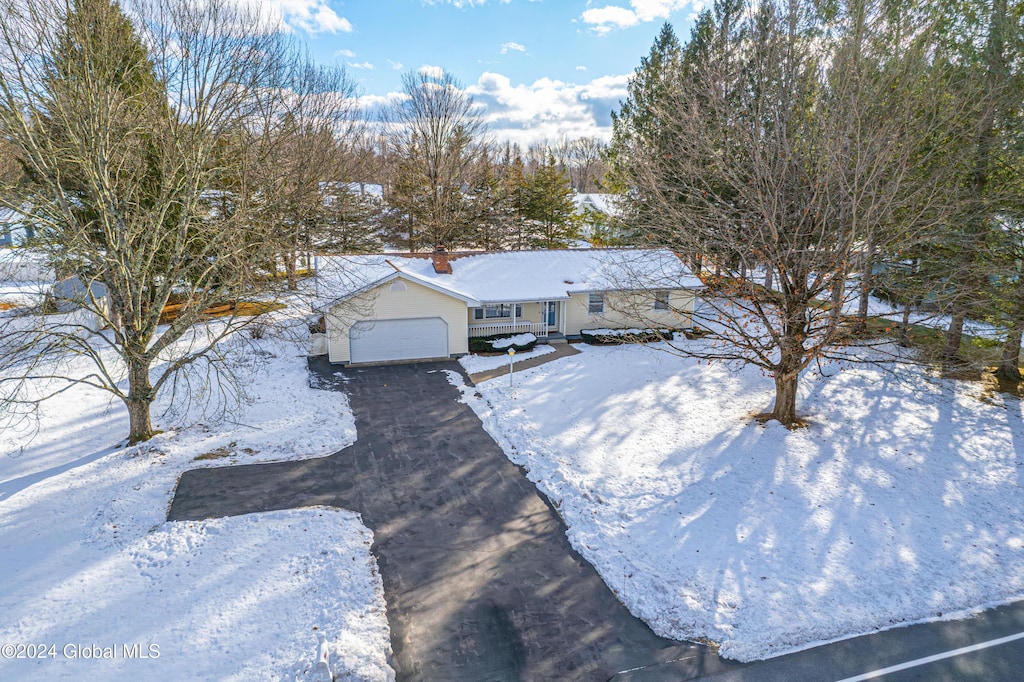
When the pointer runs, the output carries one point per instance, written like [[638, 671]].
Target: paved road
[[480, 581], [915, 645]]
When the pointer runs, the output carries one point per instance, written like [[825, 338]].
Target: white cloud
[[617, 16], [345, 53], [461, 3], [361, 65], [548, 109], [610, 17], [312, 16], [581, 68], [397, 66], [509, 46], [373, 102], [431, 71]]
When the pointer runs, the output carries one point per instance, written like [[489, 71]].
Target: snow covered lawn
[[902, 501], [87, 559]]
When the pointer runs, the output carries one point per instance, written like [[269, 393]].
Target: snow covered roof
[[601, 203], [511, 276], [360, 189], [73, 292], [24, 265]]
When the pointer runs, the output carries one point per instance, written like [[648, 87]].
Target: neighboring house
[[87, 302], [72, 293], [362, 190], [387, 308], [14, 229], [598, 214]]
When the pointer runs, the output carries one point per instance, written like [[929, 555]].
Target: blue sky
[[542, 69]]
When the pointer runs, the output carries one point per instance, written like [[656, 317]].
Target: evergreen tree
[[350, 222], [514, 186], [638, 123], [978, 56], [550, 207]]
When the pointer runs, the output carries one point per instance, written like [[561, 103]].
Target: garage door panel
[[394, 340]]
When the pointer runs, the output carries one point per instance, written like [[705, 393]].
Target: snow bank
[[517, 340], [236, 598], [899, 503]]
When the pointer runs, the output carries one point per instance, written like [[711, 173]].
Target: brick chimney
[[441, 264]]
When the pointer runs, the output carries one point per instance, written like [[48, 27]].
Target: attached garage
[[416, 338], [397, 319]]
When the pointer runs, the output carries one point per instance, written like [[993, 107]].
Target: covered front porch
[[543, 319]]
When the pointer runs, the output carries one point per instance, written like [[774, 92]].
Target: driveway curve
[[479, 578]]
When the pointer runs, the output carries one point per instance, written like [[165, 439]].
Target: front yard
[[900, 502]]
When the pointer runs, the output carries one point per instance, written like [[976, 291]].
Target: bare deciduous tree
[[121, 126], [301, 155], [782, 151], [437, 138], [583, 158]]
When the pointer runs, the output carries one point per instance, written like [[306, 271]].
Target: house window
[[661, 300], [399, 286], [595, 304], [491, 312]]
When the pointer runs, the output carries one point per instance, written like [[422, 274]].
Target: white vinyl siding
[[617, 313]]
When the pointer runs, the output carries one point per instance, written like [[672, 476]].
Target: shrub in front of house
[[608, 337], [500, 343]]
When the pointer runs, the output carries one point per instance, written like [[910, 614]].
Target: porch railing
[[538, 329]]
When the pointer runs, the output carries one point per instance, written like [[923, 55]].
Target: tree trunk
[[768, 279], [861, 325], [905, 327], [1009, 364], [836, 314], [954, 335], [784, 409], [291, 271], [139, 401]]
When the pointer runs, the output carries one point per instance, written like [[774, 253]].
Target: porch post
[[513, 318]]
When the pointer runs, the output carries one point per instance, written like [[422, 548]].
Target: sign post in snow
[[322, 671], [511, 354]]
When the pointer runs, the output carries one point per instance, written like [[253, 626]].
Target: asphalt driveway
[[480, 580]]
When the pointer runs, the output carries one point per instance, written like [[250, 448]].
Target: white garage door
[[390, 340]]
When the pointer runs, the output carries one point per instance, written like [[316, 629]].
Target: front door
[[549, 313]]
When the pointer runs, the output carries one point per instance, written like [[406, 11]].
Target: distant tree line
[[446, 183]]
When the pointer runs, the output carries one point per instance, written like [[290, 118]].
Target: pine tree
[[550, 207], [638, 121], [97, 47]]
